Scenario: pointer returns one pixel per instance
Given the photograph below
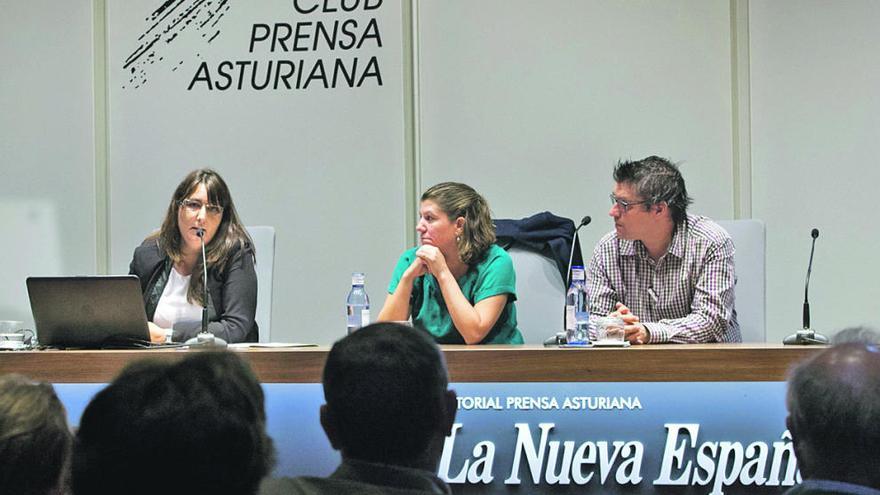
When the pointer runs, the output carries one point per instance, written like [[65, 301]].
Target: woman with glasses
[[458, 285], [169, 265]]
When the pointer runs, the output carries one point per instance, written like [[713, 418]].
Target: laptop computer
[[91, 311]]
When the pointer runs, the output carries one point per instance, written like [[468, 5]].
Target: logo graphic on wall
[[309, 44], [166, 24]]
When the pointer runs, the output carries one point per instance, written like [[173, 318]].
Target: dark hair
[[461, 200], [201, 418], [231, 234], [34, 437], [834, 409], [656, 180], [385, 386]]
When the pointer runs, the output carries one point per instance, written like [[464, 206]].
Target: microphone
[[201, 233], [806, 317], [559, 337], [584, 222], [806, 335], [205, 338]]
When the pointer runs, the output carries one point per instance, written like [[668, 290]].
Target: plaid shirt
[[685, 297]]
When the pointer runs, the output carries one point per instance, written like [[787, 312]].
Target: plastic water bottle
[[577, 313], [357, 304]]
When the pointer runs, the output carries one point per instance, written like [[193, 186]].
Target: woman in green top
[[458, 285]]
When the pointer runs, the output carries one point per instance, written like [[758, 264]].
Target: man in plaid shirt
[[667, 273]]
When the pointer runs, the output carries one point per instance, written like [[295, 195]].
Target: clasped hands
[[634, 331], [429, 259]]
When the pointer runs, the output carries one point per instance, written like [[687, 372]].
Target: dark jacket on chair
[[544, 233]]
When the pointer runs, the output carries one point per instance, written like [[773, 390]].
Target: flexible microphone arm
[[555, 339], [205, 338], [806, 335], [559, 338], [584, 222], [806, 317], [201, 233]]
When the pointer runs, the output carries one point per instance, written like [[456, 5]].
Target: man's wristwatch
[[168, 334]]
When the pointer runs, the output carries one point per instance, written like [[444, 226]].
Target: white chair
[[540, 293], [264, 243], [749, 239]]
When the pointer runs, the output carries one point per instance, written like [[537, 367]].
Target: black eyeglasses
[[624, 205], [194, 206]]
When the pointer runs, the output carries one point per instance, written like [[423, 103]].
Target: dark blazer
[[232, 293]]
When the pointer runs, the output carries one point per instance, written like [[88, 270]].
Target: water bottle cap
[[577, 273], [357, 278]]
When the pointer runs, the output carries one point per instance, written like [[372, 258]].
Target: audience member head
[[656, 180], [861, 334], [193, 426], [461, 201], [34, 438], [387, 397], [834, 412]]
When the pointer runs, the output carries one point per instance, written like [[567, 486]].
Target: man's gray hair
[[861, 334]]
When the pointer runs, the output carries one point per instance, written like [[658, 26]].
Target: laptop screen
[[91, 311]]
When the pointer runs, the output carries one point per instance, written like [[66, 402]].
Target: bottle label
[[365, 317], [570, 317]]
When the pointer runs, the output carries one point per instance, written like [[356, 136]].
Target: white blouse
[[173, 306]]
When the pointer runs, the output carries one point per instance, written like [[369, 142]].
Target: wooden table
[[491, 363]]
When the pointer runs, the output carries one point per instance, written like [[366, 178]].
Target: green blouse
[[491, 276]]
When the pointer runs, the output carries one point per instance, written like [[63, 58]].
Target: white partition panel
[[815, 121], [47, 183], [320, 160], [533, 103]]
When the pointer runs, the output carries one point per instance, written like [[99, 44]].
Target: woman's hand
[[433, 259], [396, 307], [415, 270], [157, 333]]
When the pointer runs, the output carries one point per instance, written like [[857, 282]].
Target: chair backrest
[[264, 243], [540, 293], [749, 239]]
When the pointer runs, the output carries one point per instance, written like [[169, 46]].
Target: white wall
[[532, 103], [815, 120], [47, 181]]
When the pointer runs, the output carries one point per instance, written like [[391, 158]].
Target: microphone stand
[[806, 335], [205, 338], [559, 337], [574, 239]]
